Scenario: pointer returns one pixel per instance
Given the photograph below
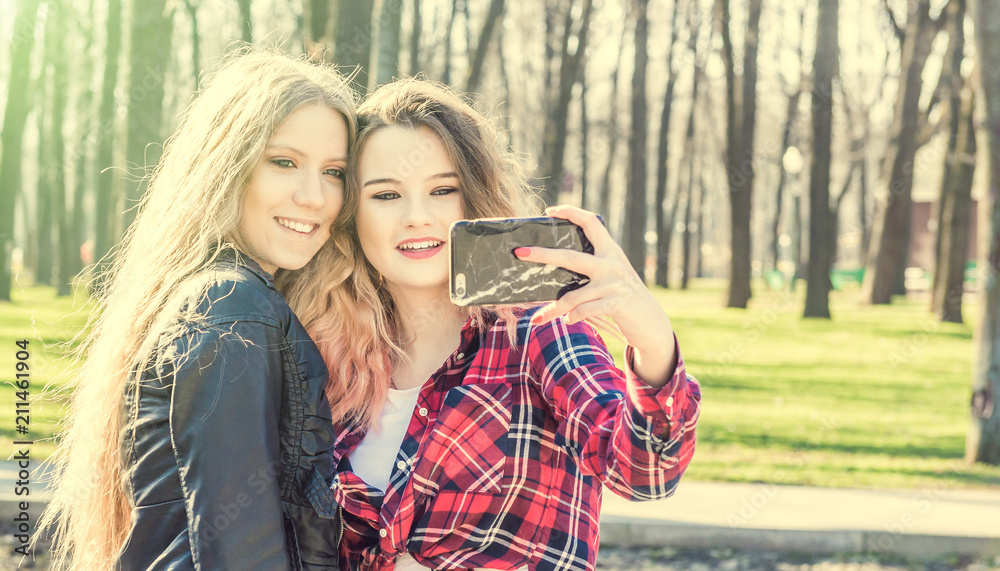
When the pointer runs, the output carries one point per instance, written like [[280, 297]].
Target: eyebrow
[[284, 147], [394, 180]]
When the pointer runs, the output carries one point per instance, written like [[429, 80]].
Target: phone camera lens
[[460, 291]]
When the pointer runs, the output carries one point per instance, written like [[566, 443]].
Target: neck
[[427, 317]]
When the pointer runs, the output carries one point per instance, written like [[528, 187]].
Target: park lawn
[[876, 397], [49, 324]]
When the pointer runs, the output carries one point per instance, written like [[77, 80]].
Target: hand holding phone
[[485, 271]]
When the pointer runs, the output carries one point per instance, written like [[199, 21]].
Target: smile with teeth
[[297, 226], [425, 245]]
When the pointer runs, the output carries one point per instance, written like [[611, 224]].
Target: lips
[[295, 226], [420, 248]]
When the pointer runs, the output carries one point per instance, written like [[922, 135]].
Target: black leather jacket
[[225, 433]]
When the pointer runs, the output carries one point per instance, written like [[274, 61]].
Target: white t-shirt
[[373, 459]]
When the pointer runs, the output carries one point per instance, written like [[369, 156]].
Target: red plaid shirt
[[504, 458]]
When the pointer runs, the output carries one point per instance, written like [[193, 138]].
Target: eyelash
[[390, 195], [288, 163]]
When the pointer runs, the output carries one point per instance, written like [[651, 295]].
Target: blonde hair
[[190, 212], [351, 318]]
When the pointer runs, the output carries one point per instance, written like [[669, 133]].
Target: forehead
[[313, 127], [402, 153]]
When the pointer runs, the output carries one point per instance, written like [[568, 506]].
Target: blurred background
[[760, 162]]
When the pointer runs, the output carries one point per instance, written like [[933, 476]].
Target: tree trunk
[[983, 442], [825, 65], [605, 203], [635, 198], [353, 39], [64, 239], [149, 57], [554, 143], [696, 165], [956, 161], [741, 117], [246, 21], [475, 75], [417, 30], [45, 220], [15, 116], [956, 209], [106, 211], [890, 240], [388, 42], [786, 142], [446, 72], [192, 11], [661, 275]]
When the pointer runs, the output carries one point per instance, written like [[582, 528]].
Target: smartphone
[[485, 271]]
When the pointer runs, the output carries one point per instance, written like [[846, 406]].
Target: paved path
[[924, 522]]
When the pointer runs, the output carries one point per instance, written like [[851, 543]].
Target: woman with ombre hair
[[479, 438]]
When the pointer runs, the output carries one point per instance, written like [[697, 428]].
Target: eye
[[443, 191], [388, 195], [336, 172], [283, 163]]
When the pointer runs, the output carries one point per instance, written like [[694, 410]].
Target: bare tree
[[983, 442], [353, 38], [664, 230], [952, 245], [821, 233], [475, 74], [11, 136], [634, 239], [106, 203], [192, 11], [613, 134], [557, 116], [418, 22], [246, 21], [387, 41], [791, 114], [890, 239], [740, 122], [64, 240]]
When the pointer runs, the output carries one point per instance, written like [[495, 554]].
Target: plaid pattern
[[504, 458]]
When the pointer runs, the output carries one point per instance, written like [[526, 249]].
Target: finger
[[595, 231], [571, 260], [590, 310]]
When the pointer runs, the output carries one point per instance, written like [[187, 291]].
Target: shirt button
[[460, 356], [401, 464], [422, 411], [382, 533], [670, 401]]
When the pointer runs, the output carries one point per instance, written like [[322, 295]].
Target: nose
[[311, 193], [418, 212]]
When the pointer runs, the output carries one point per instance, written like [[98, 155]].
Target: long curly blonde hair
[[352, 319], [190, 212]]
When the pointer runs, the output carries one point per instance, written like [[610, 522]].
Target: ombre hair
[[350, 317], [189, 214]]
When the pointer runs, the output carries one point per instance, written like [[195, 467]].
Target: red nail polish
[[522, 252]]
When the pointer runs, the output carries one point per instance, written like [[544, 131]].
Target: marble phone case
[[484, 270]]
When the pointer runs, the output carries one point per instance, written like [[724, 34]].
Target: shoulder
[[233, 293]]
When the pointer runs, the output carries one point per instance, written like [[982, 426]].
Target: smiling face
[[410, 194], [296, 189]]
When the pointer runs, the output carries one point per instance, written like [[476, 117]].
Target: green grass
[[876, 397], [48, 323]]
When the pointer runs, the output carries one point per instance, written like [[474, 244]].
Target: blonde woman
[[479, 439], [200, 417]]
